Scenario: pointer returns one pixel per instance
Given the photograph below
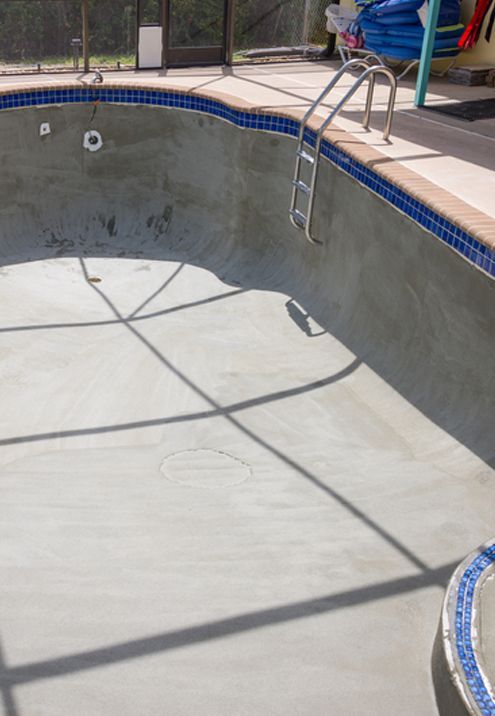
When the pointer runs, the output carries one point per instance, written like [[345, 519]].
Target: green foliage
[[32, 29], [35, 30], [112, 26], [196, 22]]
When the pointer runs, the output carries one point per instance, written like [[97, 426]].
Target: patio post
[[85, 33], [229, 32], [427, 52]]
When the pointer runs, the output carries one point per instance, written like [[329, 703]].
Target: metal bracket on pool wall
[[93, 141]]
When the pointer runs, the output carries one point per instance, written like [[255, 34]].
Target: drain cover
[[205, 468]]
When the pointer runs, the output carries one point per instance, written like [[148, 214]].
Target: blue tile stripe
[[464, 630], [456, 238]]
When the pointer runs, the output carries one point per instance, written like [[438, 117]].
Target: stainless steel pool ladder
[[311, 155]]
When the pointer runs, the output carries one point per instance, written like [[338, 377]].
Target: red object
[[472, 31]]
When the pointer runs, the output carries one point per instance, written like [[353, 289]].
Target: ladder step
[[304, 155], [302, 186], [299, 218]]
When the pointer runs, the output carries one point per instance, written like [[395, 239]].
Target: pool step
[[301, 186], [299, 218], [305, 156]]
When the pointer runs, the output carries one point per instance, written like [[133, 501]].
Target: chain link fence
[[271, 28]]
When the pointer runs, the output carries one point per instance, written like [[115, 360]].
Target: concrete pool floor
[[125, 591]]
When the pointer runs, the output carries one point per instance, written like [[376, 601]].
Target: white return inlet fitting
[[92, 141], [45, 129]]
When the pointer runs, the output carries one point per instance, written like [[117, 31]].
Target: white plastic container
[[339, 18]]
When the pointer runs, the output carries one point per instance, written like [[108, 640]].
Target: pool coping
[[460, 632], [465, 229]]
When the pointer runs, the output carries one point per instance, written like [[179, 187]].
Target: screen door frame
[[186, 56]]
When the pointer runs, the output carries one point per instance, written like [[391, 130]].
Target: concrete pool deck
[[161, 324]]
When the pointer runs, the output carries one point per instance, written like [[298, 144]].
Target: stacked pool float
[[394, 28]]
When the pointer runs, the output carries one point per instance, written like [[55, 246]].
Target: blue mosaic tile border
[[464, 630], [455, 237]]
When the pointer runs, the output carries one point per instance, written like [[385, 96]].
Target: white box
[[150, 46]]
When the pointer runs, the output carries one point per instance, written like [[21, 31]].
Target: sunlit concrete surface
[[333, 406], [455, 155]]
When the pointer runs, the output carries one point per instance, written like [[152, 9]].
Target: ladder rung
[[298, 217], [304, 155], [302, 186]]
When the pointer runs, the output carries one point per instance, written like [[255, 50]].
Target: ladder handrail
[[368, 74], [349, 65]]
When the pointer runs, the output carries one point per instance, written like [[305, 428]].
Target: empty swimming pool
[[237, 469]]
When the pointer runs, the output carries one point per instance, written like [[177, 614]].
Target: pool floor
[[210, 505]]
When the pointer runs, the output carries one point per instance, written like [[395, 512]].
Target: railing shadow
[[15, 676]]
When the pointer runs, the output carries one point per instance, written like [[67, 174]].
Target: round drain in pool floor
[[205, 468]]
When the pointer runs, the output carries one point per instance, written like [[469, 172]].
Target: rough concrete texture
[[352, 380]]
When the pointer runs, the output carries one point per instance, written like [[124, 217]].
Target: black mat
[[469, 111]]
